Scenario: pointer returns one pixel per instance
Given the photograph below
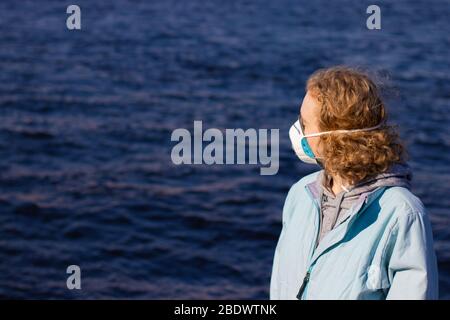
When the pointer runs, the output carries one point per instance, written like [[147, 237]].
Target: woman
[[353, 230]]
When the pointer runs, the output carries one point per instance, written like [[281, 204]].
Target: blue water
[[86, 118]]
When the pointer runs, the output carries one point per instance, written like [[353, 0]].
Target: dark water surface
[[86, 117]]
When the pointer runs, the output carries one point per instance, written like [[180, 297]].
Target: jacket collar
[[340, 230], [315, 191]]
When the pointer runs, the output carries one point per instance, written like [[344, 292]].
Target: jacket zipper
[[308, 273], [307, 276], [303, 286]]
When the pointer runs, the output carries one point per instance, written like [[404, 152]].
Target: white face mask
[[300, 143]]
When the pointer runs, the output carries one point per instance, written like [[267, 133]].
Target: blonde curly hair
[[349, 99]]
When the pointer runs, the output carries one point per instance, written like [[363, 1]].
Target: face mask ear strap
[[344, 131], [367, 129]]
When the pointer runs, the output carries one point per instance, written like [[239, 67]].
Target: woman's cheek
[[314, 144]]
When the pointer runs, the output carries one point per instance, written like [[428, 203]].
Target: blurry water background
[[86, 118]]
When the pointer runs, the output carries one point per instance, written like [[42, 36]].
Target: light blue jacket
[[382, 250]]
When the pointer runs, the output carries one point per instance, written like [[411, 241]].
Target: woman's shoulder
[[297, 190], [403, 201], [302, 182]]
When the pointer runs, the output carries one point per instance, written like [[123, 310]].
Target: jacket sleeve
[[412, 266], [274, 279], [275, 290]]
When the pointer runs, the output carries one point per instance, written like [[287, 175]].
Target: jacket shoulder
[[305, 180], [295, 194], [403, 201]]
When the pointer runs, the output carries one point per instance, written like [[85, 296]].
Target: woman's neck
[[337, 184]]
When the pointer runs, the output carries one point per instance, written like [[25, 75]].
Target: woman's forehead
[[309, 108]]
